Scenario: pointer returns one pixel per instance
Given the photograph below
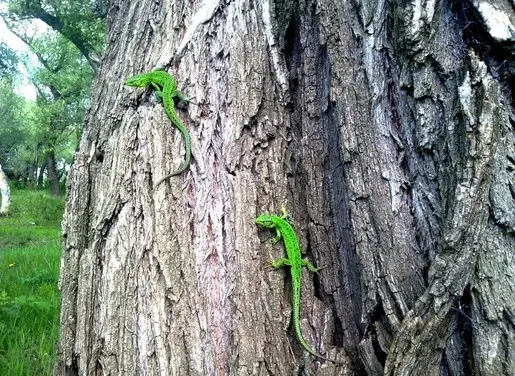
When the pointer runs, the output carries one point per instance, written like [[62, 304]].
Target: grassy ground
[[30, 249]]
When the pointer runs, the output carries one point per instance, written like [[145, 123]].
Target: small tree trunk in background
[[385, 128], [41, 175], [5, 192], [53, 179], [31, 178]]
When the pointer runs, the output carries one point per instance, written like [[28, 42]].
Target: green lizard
[[166, 89], [284, 230]]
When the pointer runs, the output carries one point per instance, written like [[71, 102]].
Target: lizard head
[[265, 221], [139, 80]]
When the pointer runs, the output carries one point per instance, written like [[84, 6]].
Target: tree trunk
[[41, 174], [384, 128], [53, 179], [5, 193], [31, 175]]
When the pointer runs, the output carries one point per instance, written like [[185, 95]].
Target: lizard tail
[[296, 325], [298, 330], [187, 148]]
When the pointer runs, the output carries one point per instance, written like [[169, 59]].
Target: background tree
[[63, 78], [8, 62], [80, 22], [12, 105], [384, 125], [38, 138], [8, 100], [63, 89]]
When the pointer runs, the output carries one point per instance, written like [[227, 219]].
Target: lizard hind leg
[[179, 94], [310, 266], [158, 92]]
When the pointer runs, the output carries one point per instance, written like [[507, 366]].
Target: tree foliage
[[8, 60], [12, 123], [80, 22], [44, 135]]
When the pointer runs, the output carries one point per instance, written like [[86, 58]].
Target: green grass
[[30, 249]]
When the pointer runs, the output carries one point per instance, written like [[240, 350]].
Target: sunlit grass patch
[[30, 248]]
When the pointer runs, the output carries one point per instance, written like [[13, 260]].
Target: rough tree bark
[[384, 125]]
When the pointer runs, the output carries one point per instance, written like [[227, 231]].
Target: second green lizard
[[295, 261]]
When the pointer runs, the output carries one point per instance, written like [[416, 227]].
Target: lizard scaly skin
[[295, 261], [166, 89]]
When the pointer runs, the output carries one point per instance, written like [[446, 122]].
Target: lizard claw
[[320, 268], [268, 266]]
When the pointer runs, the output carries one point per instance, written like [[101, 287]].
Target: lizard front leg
[[279, 263], [285, 214], [179, 94], [277, 236], [157, 91]]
